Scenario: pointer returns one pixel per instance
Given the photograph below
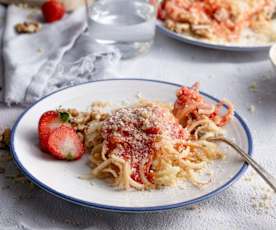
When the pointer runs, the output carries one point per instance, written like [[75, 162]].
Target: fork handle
[[259, 169]]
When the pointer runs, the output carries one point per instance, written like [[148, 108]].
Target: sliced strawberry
[[65, 144], [48, 122]]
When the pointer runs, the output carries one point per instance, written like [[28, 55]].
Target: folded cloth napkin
[[58, 56], [2, 23]]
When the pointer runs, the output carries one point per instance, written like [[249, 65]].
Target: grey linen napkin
[[2, 24], [58, 56]]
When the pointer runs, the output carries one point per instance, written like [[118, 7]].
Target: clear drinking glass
[[128, 25]]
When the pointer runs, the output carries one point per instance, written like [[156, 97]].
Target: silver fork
[[269, 179]]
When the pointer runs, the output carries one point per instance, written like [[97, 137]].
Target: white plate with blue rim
[[246, 46], [62, 179]]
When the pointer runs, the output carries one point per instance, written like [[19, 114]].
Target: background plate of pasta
[[116, 145], [237, 25]]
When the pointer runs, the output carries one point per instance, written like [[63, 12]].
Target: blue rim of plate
[[130, 209], [197, 42]]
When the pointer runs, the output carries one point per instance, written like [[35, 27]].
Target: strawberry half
[[48, 122], [65, 144]]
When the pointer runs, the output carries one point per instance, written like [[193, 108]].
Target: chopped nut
[[28, 27], [170, 24], [182, 27], [81, 136], [253, 86], [73, 112], [261, 204], [201, 30], [252, 108], [81, 127], [39, 50], [7, 136], [5, 139]]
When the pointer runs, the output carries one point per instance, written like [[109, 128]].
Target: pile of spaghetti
[[218, 20], [149, 145]]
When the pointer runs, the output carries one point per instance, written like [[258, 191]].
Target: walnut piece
[[28, 27], [5, 139]]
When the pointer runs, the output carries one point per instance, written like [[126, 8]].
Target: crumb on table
[[252, 108], [253, 86]]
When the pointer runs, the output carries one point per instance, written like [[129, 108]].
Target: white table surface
[[222, 74]]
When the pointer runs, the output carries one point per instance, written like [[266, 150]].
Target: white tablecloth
[[222, 74]]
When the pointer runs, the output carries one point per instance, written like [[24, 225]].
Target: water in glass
[[129, 25]]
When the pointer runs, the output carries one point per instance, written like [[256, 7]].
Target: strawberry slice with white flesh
[[65, 144], [48, 122]]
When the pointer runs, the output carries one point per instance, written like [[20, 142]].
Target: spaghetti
[[217, 19], [149, 145]]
